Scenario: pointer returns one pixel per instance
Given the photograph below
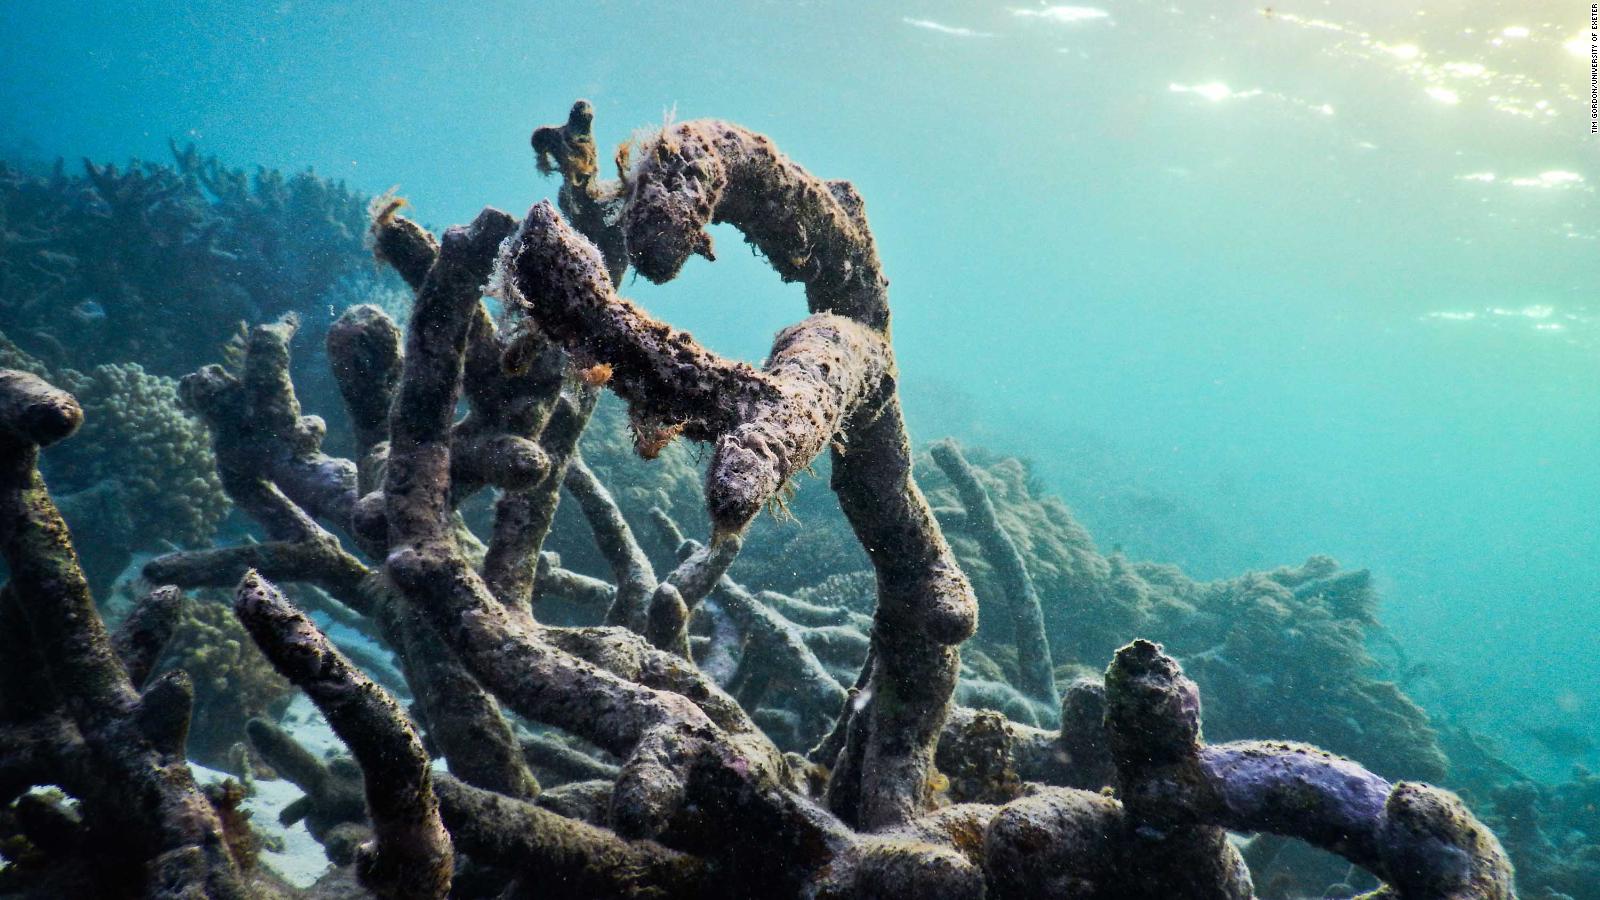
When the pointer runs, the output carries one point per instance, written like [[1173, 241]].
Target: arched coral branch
[[830, 380]]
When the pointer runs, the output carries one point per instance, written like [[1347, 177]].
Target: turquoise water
[[1245, 284]]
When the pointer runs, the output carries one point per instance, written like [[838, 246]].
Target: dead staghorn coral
[[591, 204], [161, 487], [410, 855], [829, 379], [232, 681], [70, 715], [1022, 600], [1281, 654], [1125, 801], [270, 459]]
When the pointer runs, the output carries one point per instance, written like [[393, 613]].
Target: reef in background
[[1278, 654], [114, 281], [779, 708], [160, 264]]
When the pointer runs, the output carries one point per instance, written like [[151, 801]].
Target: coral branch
[[564, 762], [557, 278], [680, 593], [781, 654], [508, 407], [364, 353], [777, 658], [630, 567], [435, 345], [1076, 756], [318, 559], [412, 856], [925, 608], [523, 518], [826, 371], [590, 203], [1022, 599], [136, 781], [141, 637], [767, 425], [334, 807], [407, 247], [811, 231], [555, 582], [1418, 838], [562, 858], [33, 413], [462, 718], [259, 409]]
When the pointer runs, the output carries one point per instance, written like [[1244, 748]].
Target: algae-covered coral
[[158, 489], [233, 683], [729, 707]]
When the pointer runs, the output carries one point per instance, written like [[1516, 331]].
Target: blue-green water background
[[1183, 255]]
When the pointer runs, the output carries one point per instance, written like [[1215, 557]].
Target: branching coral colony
[[648, 725]]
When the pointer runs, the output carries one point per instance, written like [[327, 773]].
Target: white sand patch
[[301, 861]]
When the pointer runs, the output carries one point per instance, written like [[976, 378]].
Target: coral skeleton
[[70, 713], [695, 736]]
